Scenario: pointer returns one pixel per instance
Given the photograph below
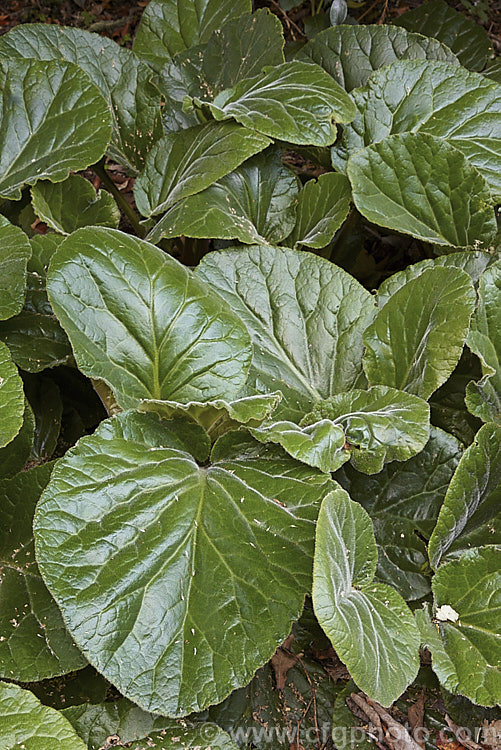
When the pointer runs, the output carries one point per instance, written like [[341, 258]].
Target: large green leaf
[[404, 501], [69, 205], [164, 569], [351, 53], [464, 638], [170, 26], [56, 121], [369, 624], [254, 204], [27, 724], [484, 339], [217, 417], [95, 724], [34, 643], [421, 185], [15, 454], [123, 80], [370, 427], [185, 163], [474, 493], [322, 207], [141, 322], [15, 251], [296, 102], [34, 337], [416, 339], [11, 398], [437, 19], [441, 99], [306, 317]]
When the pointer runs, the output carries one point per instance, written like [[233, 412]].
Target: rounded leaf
[[176, 580]]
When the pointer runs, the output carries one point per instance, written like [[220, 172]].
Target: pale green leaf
[[58, 121], [185, 163], [483, 399], [420, 185], [296, 102], [217, 417], [254, 204], [306, 318], [170, 26], [322, 207], [467, 39], [416, 339], [123, 80], [369, 624], [474, 494], [26, 723], [11, 398], [125, 545], [34, 643], [443, 100], [464, 638], [141, 322], [69, 205], [351, 53]]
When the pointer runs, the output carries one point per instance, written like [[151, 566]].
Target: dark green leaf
[[34, 643], [369, 624], [448, 409], [474, 493], [416, 340], [306, 317], [141, 322], [420, 185], [72, 689], [466, 38], [242, 47], [347, 733], [322, 207], [440, 99], [45, 399], [15, 251], [464, 637], [55, 110], [185, 163], [351, 53], [72, 204], [125, 547], [34, 337], [170, 26], [16, 453], [122, 79], [254, 204], [296, 102], [26, 723], [483, 399], [11, 398]]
